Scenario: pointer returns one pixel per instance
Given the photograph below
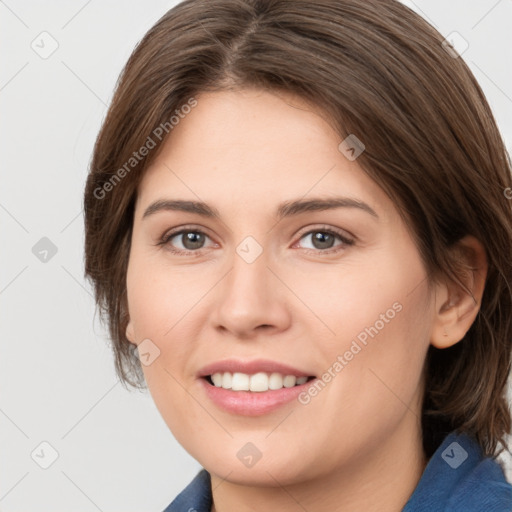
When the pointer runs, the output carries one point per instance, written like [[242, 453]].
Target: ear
[[130, 335], [455, 309]]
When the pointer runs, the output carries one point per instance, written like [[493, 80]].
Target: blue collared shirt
[[458, 478]]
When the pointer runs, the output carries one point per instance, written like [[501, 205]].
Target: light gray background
[[57, 378]]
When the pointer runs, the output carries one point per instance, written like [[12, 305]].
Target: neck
[[381, 481]]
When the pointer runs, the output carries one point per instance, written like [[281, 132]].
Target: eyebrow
[[286, 209]]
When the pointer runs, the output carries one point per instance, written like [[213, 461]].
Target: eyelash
[[167, 237]]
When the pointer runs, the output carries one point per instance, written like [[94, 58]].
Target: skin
[[245, 152]]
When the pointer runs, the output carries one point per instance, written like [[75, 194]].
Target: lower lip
[[252, 403]]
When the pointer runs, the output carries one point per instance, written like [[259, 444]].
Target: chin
[[234, 464]]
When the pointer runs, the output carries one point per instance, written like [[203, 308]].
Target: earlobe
[[455, 308], [130, 335]]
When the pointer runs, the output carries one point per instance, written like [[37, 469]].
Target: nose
[[251, 300]]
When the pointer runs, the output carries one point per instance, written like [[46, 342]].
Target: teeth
[[289, 381], [258, 382], [227, 378], [240, 382], [217, 379], [275, 381]]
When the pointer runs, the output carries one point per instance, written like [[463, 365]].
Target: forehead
[[255, 147]]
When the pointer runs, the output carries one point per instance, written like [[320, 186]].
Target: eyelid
[[179, 229], [343, 234]]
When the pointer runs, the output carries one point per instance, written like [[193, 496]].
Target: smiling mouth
[[258, 382]]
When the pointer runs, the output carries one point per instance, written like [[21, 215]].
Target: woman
[[297, 215]]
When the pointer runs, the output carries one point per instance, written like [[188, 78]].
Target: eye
[[184, 241], [323, 239], [190, 241]]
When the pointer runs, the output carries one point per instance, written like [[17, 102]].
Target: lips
[[264, 395], [252, 367]]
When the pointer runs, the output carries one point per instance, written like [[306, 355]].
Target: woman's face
[[335, 293]]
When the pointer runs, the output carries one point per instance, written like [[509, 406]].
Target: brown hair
[[379, 71]]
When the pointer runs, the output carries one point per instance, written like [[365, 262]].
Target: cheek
[[161, 313], [159, 297], [185, 417], [385, 328], [162, 304]]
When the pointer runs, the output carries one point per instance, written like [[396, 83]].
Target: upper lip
[[251, 367]]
